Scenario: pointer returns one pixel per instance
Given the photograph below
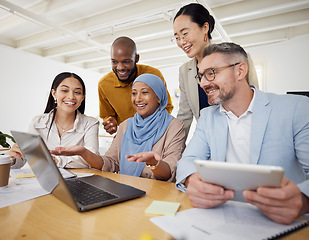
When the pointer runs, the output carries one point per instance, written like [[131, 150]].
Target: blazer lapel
[[192, 87], [260, 116], [221, 130]]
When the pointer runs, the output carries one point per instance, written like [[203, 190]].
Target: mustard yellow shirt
[[115, 96]]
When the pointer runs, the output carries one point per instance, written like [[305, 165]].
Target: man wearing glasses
[[246, 125], [115, 87]]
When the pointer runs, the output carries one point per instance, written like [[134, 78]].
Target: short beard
[[128, 79], [223, 97]]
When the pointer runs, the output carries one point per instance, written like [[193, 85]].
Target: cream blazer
[[189, 101]]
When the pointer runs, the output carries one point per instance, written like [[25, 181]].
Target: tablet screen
[[238, 176]]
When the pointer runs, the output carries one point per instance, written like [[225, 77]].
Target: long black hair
[[51, 105], [198, 14]]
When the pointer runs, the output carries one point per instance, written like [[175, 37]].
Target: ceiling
[[80, 32]]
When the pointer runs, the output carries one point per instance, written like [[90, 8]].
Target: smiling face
[[223, 87], [69, 95], [124, 61], [144, 99], [191, 37]]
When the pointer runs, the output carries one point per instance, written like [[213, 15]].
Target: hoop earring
[[205, 38]]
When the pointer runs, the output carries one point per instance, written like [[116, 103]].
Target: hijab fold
[[142, 134]]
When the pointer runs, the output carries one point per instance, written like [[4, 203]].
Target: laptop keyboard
[[87, 194]]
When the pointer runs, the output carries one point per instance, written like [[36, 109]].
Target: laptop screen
[[43, 165], [39, 159]]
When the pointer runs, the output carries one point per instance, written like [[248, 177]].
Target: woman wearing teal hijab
[[147, 145]]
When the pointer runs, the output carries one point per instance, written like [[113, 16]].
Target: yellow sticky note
[[146, 236], [24, 175], [163, 208]]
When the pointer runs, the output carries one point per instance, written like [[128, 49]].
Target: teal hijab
[[142, 134]]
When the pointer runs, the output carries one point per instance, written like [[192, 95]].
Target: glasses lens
[[209, 74]]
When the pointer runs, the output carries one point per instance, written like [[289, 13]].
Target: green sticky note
[[163, 208]]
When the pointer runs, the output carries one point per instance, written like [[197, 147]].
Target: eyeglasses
[[209, 73], [176, 39]]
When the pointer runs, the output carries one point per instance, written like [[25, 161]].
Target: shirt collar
[[118, 83], [78, 123], [47, 119]]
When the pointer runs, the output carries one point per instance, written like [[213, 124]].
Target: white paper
[[22, 189], [233, 220]]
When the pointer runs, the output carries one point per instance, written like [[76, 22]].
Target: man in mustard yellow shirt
[[115, 87]]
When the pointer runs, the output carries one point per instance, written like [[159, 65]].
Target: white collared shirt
[[84, 133], [239, 134]]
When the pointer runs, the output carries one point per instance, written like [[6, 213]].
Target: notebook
[[82, 194], [230, 221]]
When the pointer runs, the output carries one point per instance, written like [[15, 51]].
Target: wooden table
[[49, 218]]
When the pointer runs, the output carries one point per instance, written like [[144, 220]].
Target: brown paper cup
[[5, 166]]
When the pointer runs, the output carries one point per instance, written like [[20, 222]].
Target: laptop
[[82, 194]]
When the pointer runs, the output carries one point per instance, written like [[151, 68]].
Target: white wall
[[285, 64], [25, 83], [26, 79]]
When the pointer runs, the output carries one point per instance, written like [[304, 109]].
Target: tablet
[[239, 176]]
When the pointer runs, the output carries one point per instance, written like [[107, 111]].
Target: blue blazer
[[279, 136]]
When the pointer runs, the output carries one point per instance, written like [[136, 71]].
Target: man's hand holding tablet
[[238, 176], [263, 186]]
